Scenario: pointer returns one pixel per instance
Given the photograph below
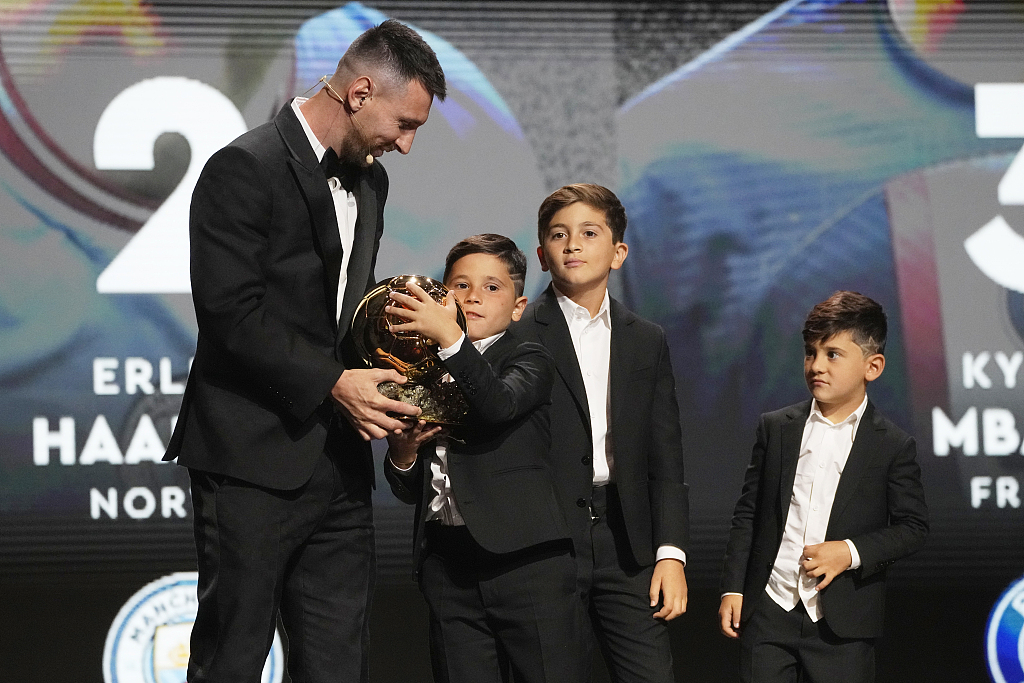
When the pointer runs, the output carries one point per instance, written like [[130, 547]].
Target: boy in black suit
[[831, 498], [617, 445], [491, 548]]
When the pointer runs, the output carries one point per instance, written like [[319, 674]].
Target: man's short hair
[[505, 249], [595, 196], [851, 312], [401, 54]]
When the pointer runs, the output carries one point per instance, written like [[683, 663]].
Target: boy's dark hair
[[497, 245], [851, 312], [401, 53], [595, 196]]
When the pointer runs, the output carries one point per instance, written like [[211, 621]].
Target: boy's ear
[[517, 310], [540, 257], [875, 366], [621, 252]]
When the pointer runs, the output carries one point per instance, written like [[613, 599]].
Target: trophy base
[[441, 403]]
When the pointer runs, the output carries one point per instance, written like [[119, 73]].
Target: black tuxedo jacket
[[497, 463], [647, 439], [266, 255], [879, 506]]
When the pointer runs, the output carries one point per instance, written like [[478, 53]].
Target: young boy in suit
[[831, 498], [491, 548], [617, 445]]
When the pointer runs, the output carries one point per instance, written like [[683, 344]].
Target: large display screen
[[767, 154]]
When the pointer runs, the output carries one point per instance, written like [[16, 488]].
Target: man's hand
[[829, 559], [729, 615], [405, 444], [668, 583], [366, 408], [426, 316]]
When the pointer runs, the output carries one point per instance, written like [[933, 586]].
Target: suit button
[[586, 459], [580, 503]]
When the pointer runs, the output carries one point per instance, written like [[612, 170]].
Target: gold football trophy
[[412, 354]]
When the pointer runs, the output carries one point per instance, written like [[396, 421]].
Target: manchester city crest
[[149, 639]]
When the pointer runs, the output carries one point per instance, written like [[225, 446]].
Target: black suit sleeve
[[741, 534], [908, 515], [230, 215], [407, 484], [670, 508], [523, 384]]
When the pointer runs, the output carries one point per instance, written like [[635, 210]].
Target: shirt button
[[580, 503]]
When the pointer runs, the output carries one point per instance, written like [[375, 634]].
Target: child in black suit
[[831, 498], [491, 548], [617, 448]]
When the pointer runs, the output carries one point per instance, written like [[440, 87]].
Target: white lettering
[[1001, 435], [1009, 366], [167, 383], [108, 505], [1007, 492], [138, 374], [980, 490], [148, 503], [963, 435], [43, 440], [145, 445], [172, 499], [101, 446], [104, 378], [974, 370]]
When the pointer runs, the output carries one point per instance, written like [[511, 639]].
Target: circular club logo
[[149, 639], [1004, 636]]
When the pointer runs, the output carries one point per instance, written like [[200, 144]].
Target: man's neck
[[589, 297], [326, 118]]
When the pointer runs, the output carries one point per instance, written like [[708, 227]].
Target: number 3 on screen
[[997, 249], [156, 259]]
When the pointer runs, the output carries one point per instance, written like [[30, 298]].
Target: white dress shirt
[[592, 341], [344, 206], [824, 450], [443, 506]]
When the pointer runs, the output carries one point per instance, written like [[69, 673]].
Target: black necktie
[[333, 168]]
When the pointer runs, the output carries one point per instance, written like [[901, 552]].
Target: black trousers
[[616, 593], [498, 616], [777, 646], [308, 554]]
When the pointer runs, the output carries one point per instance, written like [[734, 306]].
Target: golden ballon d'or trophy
[[412, 354]]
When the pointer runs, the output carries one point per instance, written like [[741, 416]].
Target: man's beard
[[354, 149]]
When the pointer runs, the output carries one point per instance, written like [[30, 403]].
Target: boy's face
[[579, 250], [837, 373], [482, 285]]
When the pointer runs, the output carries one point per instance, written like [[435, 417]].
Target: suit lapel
[[867, 443], [792, 435], [360, 263], [313, 186], [620, 361], [555, 335]]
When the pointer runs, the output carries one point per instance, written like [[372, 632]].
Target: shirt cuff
[[445, 354], [724, 594], [854, 555], [397, 467], [670, 552]]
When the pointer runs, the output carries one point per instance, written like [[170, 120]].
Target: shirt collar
[[485, 343], [853, 418], [317, 146], [572, 310]]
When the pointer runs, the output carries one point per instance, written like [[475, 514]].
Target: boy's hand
[[426, 316], [829, 559], [404, 445], [729, 614], [669, 583]]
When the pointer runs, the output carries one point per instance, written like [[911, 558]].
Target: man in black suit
[[831, 498], [491, 548], [616, 449], [274, 425]]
